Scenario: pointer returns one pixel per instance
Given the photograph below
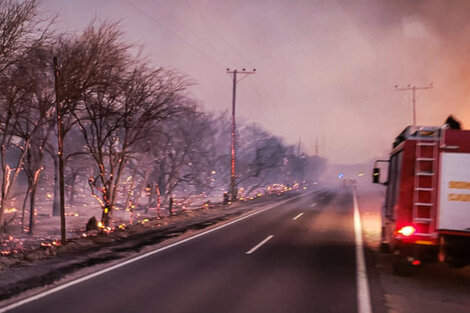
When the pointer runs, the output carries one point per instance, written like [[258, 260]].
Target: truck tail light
[[407, 231]]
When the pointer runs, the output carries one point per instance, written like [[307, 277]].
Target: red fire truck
[[426, 214]]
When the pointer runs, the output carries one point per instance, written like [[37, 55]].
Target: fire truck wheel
[[401, 266], [448, 255], [384, 247]]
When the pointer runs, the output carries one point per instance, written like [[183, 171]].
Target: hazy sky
[[325, 69]]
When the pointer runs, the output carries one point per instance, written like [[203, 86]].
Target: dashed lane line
[[142, 256], [259, 245]]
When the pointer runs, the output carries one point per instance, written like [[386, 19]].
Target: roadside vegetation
[[135, 142]]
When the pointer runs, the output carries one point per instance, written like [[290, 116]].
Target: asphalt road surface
[[296, 257]]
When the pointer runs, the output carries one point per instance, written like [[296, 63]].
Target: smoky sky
[[326, 70]]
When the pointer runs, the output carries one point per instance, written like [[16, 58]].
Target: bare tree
[[141, 168], [25, 103], [116, 116], [22, 31], [12, 97], [260, 159], [36, 123], [84, 63], [198, 131], [22, 28]]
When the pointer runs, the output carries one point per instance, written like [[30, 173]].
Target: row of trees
[[122, 117]]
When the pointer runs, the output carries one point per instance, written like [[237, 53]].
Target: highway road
[[298, 256]]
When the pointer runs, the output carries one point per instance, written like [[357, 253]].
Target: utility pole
[[60, 154], [234, 72], [413, 88], [316, 147]]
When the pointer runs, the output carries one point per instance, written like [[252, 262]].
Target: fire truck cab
[[426, 214]]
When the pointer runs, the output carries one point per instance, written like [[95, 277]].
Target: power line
[[189, 29], [264, 95], [175, 34], [413, 88], [221, 36]]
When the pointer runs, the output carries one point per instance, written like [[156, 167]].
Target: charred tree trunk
[[32, 198], [23, 210], [71, 193], [129, 202], [157, 191], [6, 175], [105, 215], [148, 190]]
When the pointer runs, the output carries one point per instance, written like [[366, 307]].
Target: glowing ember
[[11, 210]]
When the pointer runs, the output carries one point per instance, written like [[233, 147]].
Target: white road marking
[[137, 258], [363, 296], [259, 245], [314, 204], [297, 216]]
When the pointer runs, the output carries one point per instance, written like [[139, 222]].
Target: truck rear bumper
[[423, 252]]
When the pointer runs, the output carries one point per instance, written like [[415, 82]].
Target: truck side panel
[[454, 194]]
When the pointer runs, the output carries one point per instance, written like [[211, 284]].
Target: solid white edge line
[[259, 245], [363, 295], [103, 271], [298, 216]]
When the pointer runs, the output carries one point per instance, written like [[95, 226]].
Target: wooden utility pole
[[316, 147], [413, 89], [60, 153], [233, 186]]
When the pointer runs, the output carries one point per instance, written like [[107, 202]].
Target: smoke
[[428, 40], [326, 70]]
